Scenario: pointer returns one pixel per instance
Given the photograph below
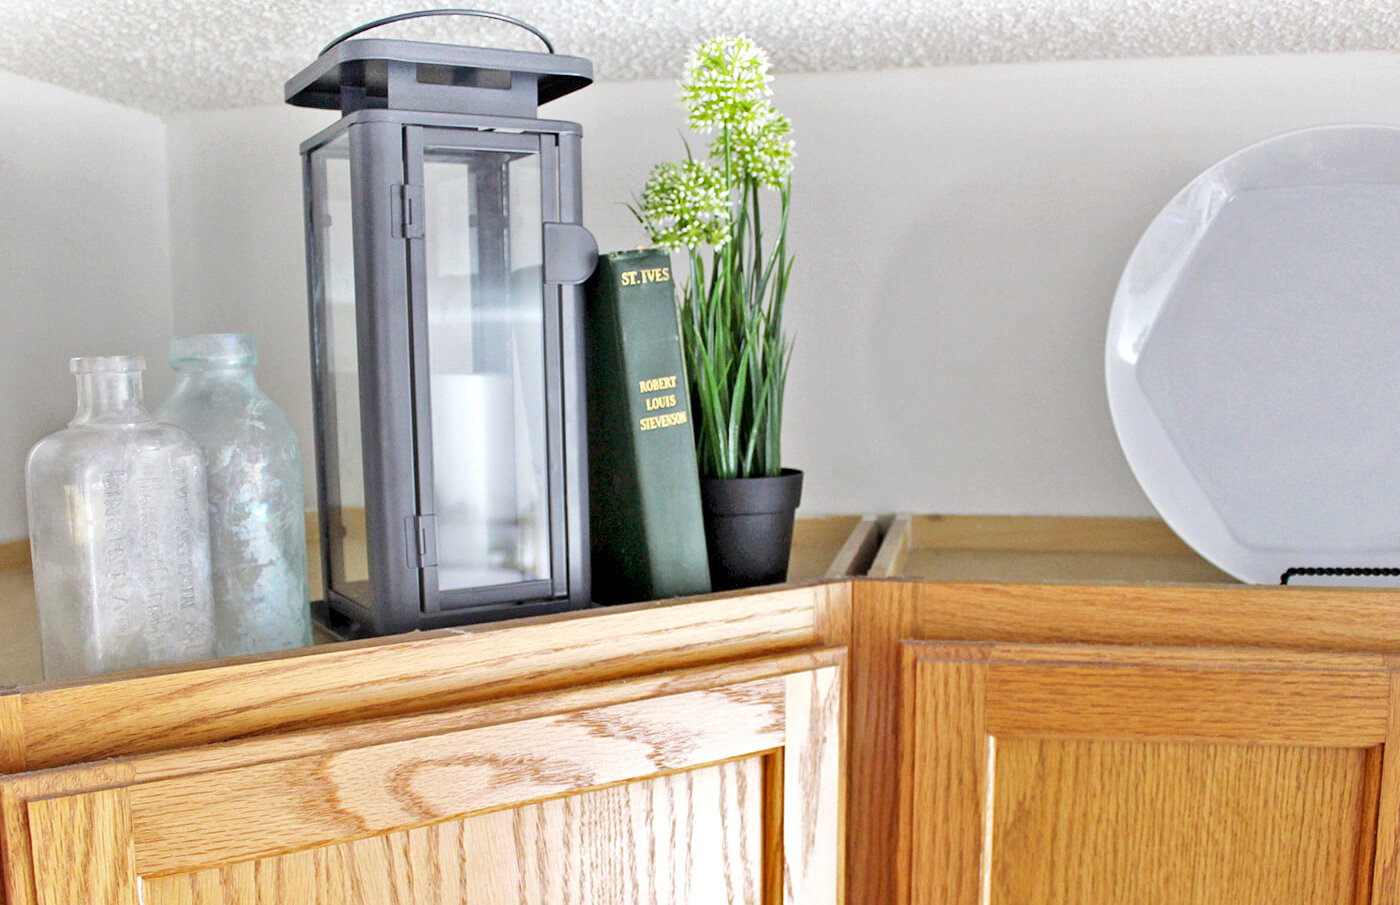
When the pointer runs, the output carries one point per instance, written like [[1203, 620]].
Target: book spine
[[647, 530]]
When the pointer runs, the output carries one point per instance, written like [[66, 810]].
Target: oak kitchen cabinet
[[1098, 774], [690, 752], [960, 741], [1033, 723], [564, 797]]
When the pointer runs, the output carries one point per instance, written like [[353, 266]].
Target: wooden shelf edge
[[889, 561], [857, 554]]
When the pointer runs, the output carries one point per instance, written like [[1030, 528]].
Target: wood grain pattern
[[82, 849], [883, 613], [1100, 823], [309, 742], [251, 812], [889, 561], [1228, 658], [265, 749], [1296, 707], [813, 774], [16, 792], [194, 835], [910, 763], [693, 837], [1274, 618], [1207, 694], [438, 671], [774, 864], [1365, 861], [1282, 618], [944, 758], [858, 551], [672, 839], [832, 614], [12, 757], [1068, 812], [681, 774], [130, 714], [1385, 878]]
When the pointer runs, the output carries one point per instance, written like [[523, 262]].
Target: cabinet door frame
[[957, 698], [222, 804]]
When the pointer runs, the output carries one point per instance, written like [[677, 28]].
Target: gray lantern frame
[[399, 97]]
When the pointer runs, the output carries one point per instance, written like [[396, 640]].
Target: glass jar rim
[[96, 364], [213, 350]]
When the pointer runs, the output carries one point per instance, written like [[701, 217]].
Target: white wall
[[959, 233], [238, 246], [85, 251]]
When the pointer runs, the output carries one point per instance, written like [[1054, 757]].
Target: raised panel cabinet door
[[1100, 775], [711, 785]]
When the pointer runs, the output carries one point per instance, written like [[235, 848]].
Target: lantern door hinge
[[421, 531], [406, 211]]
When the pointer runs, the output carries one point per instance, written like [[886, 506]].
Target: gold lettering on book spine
[[655, 422], [645, 276]]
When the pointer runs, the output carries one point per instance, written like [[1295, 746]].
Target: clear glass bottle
[[257, 514], [119, 532]]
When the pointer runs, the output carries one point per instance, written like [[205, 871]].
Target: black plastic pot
[[748, 527]]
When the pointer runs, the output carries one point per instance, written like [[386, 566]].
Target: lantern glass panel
[[486, 354], [334, 289]]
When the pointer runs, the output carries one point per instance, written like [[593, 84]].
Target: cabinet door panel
[[250, 812], [82, 843], [1171, 822], [1090, 775], [677, 838], [725, 793]]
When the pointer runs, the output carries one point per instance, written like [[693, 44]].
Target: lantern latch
[[406, 211], [570, 253], [421, 531]]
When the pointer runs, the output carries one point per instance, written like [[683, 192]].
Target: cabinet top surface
[[815, 542], [1011, 550], [1044, 550]]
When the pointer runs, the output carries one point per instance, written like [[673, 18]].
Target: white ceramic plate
[[1253, 359]]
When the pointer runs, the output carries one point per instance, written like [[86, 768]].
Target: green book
[[648, 537]]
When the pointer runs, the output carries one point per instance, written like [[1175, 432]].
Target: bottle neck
[[110, 398]]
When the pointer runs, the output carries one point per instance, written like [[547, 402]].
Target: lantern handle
[[418, 14]]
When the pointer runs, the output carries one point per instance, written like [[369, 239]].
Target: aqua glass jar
[[119, 532], [257, 512]]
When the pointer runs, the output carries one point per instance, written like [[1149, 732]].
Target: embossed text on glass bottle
[[257, 521], [119, 532]]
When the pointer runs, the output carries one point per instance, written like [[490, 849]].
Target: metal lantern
[[445, 254]]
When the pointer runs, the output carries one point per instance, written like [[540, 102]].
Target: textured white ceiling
[[176, 55]]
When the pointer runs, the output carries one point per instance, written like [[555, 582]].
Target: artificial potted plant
[[731, 308]]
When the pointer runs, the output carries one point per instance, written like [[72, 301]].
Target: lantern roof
[[419, 75]]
